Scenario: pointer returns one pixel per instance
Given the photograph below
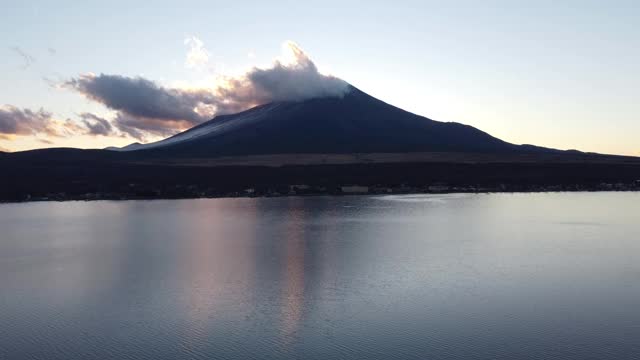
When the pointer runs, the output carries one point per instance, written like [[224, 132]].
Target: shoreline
[[60, 178], [244, 195]]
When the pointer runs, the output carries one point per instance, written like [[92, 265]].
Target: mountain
[[324, 144], [355, 123], [130, 147]]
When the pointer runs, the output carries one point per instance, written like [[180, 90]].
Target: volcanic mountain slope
[[322, 142], [354, 123]]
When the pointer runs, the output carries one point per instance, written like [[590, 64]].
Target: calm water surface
[[495, 276]]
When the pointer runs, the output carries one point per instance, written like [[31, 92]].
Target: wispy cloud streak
[[28, 59]]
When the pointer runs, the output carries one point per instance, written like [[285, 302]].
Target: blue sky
[[562, 74]]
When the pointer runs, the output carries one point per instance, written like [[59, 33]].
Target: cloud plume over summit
[[145, 107], [297, 80]]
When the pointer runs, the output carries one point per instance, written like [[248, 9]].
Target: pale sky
[[561, 74]]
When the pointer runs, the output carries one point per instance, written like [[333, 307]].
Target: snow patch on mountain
[[217, 126]]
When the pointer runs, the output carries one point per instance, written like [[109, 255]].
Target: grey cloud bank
[[16, 121], [96, 125], [146, 108]]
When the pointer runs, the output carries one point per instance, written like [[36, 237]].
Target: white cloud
[[197, 56]]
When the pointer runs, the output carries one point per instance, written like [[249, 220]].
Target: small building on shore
[[438, 188], [354, 189]]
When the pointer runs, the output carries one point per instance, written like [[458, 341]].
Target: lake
[[473, 276]]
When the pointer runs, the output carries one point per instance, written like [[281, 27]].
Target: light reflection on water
[[445, 276]]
